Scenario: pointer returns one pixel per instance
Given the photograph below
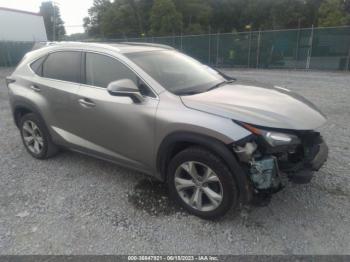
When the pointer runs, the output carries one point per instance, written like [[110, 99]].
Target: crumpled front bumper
[[273, 178], [269, 168], [313, 163], [321, 156]]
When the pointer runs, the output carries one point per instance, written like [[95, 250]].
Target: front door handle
[[35, 88], [86, 102]]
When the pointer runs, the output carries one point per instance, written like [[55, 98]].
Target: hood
[[267, 106]]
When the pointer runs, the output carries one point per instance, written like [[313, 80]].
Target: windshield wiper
[[221, 83], [198, 91], [227, 77], [189, 92]]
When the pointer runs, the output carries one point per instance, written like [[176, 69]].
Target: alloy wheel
[[32, 137], [198, 186]]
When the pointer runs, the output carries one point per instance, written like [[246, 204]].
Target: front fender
[[170, 142]]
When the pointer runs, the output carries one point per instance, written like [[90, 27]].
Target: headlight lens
[[274, 138], [280, 139]]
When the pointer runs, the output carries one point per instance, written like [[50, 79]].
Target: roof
[[19, 11], [123, 47]]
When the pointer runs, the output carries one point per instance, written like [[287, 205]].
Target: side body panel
[[173, 117], [115, 127], [57, 104], [52, 99]]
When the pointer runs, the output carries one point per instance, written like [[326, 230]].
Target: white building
[[16, 25]]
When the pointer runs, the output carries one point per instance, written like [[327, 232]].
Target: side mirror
[[125, 87]]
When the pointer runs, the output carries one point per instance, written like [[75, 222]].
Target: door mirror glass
[[125, 87]]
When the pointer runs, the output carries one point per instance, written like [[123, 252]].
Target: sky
[[72, 11]]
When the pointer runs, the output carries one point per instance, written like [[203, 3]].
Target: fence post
[[258, 50], [310, 48], [209, 47], [9, 58], [297, 49], [250, 46], [348, 61], [181, 41], [217, 49]]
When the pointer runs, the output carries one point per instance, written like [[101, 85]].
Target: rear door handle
[[35, 88], [86, 102]]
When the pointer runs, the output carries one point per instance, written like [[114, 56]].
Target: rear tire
[[210, 191], [36, 137]]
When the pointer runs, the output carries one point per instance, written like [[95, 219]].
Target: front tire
[[36, 137], [201, 182]]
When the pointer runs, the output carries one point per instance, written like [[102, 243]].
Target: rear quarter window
[[36, 66]]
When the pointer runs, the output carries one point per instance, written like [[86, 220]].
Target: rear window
[[63, 65]]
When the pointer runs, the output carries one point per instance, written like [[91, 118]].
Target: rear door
[[58, 85]]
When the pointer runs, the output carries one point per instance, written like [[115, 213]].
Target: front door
[[115, 127]]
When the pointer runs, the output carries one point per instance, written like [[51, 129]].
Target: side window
[[63, 65], [37, 66], [101, 70]]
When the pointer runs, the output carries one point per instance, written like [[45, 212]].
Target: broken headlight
[[280, 139], [274, 138]]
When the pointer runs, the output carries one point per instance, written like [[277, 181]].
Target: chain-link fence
[[12, 52], [306, 48]]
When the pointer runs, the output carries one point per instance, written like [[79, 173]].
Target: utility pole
[[54, 22], [53, 3]]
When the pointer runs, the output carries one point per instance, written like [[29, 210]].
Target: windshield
[[176, 72]]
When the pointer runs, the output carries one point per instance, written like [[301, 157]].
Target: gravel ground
[[74, 204]]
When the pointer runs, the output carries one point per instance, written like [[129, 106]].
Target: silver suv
[[217, 142]]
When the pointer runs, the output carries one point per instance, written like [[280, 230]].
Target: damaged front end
[[271, 157]]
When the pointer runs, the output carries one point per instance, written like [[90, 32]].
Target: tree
[[287, 14], [333, 13], [227, 15], [311, 12], [54, 25], [347, 6], [122, 18], [196, 15], [76, 37], [136, 18], [92, 23], [145, 8], [165, 19]]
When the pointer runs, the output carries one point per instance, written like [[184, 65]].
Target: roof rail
[[147, 44], [38, 45]]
